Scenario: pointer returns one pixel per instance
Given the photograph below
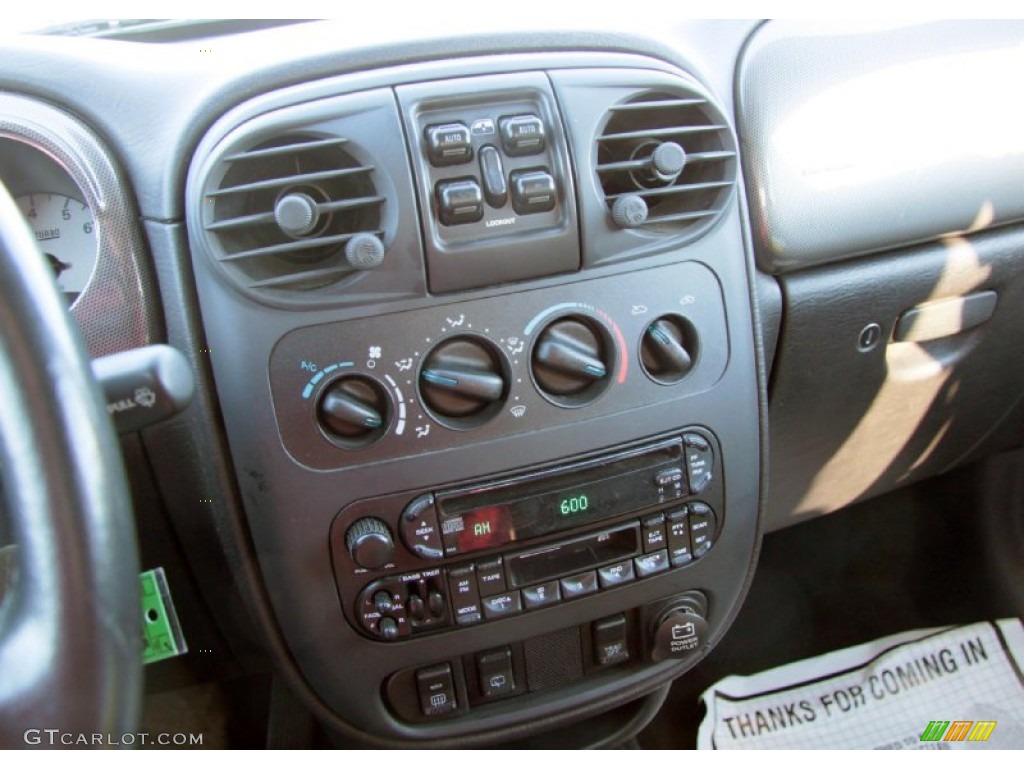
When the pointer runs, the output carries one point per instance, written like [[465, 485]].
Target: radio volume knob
[[369, 542]]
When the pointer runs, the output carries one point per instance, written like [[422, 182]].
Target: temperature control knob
[[668, 349], [354, 410], [370, 544], [571, 361], [462, 382]]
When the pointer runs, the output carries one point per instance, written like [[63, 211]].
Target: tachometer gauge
[[66, 234]]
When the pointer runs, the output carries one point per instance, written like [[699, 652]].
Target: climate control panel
[[360, 391]]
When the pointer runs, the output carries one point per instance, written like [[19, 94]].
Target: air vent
[[666, 162], [296, 213]]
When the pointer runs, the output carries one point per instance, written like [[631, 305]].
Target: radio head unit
[[491, 515]]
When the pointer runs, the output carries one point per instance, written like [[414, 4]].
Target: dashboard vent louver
[[666, 162], [283, 211]]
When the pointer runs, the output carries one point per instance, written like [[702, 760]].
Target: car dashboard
[[483, 326]]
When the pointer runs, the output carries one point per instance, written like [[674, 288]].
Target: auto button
[[448, 144]]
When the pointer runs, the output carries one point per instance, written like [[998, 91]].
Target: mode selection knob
[[462, 382], [572, 360], [369, 542], [354, 410], [668, 349]]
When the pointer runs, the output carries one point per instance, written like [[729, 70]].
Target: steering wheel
[[70, 623]]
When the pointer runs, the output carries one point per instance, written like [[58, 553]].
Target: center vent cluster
[[282, 212], [666, 161]]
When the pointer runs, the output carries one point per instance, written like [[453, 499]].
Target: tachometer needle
[[59, 266]]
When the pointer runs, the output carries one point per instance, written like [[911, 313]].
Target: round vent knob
[[354, 411], [668, 161], [462, 382], [668, 348], [364, 251], [296, 214], [629, 211], [571, 361], [673, 147]]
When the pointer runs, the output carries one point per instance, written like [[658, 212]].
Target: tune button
[[700, 461]]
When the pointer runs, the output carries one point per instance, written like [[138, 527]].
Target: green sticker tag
[[161, 631]]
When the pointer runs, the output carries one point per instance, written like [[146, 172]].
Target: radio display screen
[[486, 527], [489, 516]]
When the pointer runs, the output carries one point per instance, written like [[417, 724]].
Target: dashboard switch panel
[[512, 215]]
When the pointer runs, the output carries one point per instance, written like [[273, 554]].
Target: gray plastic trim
[[860, 137]]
